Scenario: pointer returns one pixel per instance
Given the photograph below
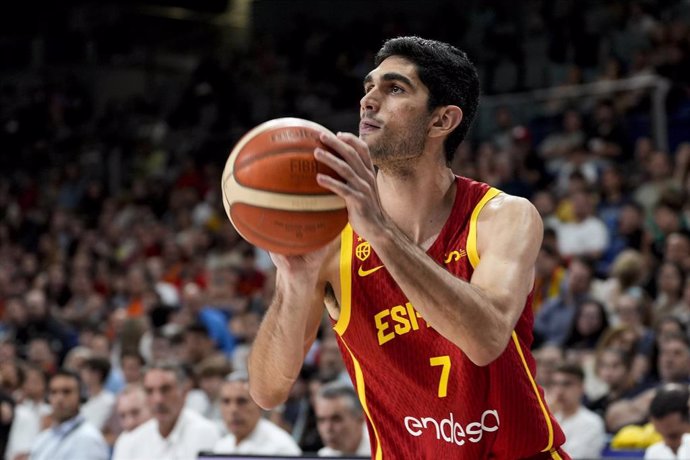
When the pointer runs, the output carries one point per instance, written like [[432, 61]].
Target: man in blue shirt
[[71, 436]]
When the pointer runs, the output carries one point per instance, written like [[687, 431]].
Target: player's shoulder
[[511, 210]]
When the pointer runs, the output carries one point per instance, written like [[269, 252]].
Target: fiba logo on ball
[[270, 192]]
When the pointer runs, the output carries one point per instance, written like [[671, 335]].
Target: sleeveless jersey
[[423, 397]]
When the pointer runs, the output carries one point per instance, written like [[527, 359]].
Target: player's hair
[[449, 75], [337, 389], [670, 399]]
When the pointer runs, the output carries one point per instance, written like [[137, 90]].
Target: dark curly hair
[[449, 75]]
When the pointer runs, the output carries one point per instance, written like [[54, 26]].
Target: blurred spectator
[[627, 271], [131, 408], [174, 432], [132, 367], [556, 146], [340, 420], [614, 368], [100, 403], [607, 136], [660, 179], [553, 321], [586, 235], [198, 344], [588, 325], [584, 430], [668, 412], [549, 276], [210, 374], [670, 280], [214, 320], [674, 367], [248, 432], [29, 414], [84, 440]]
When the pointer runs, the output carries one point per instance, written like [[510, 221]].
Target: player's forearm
[[458, 310], [278, 350]]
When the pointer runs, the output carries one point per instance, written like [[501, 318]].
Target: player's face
[[394, 112], [240, 412], [338, 426]]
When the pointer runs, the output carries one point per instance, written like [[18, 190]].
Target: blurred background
[[116, 120]]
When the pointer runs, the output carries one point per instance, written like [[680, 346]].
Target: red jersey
[[423, 397]]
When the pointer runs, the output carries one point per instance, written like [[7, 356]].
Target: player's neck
[[420, 203]]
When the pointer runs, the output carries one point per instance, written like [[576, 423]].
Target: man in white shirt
[[99, 407], [174, 432], [584, 430], [71, 436], [28, 415], [669, 414], [249, 433], [340, 421]]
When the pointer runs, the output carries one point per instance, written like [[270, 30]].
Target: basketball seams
[[309, 200], [280, 201]]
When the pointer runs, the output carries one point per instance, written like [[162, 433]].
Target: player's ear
[[444, 120]]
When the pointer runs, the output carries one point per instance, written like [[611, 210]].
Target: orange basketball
[[270, 191]]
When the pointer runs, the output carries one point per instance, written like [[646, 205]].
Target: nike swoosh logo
[[361, 272]]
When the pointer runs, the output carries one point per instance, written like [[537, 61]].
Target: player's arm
[[288, 329], [478, 316]]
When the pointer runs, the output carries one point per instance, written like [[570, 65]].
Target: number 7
[[445, 372]]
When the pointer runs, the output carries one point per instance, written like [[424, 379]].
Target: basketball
[[270, 191]]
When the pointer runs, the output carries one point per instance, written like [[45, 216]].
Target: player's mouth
[[367, 126]]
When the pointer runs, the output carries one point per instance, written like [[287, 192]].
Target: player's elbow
[[266, 398], [488, 349]]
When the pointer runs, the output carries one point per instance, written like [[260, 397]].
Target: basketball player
[[428, 287]]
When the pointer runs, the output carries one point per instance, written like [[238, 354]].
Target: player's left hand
[[358, 187]]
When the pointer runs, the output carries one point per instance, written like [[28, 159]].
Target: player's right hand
[[305, 266]]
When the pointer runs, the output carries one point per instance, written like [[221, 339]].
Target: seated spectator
[[131, 408], [632, 310], [210, 374], [552, 322], [669, 288], [132, 364], [549, 276], [173, 432], [249, 433], [198, 344], [614, 368], [583, 429], [669, 415], [98, 408], [673, 365], [340, 421], [627, 271], [28, 415], [84, 440], [587, 235]]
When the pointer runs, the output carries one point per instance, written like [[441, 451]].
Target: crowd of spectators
[[115, 252]]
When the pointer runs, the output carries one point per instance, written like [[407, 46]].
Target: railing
[[528, 102]]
